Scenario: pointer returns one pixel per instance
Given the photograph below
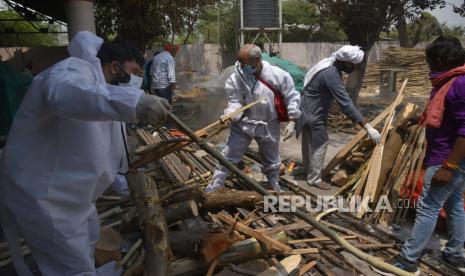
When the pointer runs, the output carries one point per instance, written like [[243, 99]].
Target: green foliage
[[300, 19], [25, 40], [457, 31], [425, 28], [227, 25], [147, 21], [299, 12], [329, 31]]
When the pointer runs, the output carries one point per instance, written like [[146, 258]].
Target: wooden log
[[241, 251], [398, 174], [340, 177], [393, 144], [286, 266], [180, 211], [372, 184], [355, 162], [108, 247], [204, 244], [152, 223], [230, 198]]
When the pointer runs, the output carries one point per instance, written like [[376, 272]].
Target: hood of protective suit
[[85, 45], [347, 53]]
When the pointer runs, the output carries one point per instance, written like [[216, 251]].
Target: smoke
[[201, 111]]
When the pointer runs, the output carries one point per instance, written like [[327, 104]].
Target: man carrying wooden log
[[444, 181], [252, 80], [323, 83], [66, 146]]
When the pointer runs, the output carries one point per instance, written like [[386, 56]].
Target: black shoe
[[458, 262], [400, 263]]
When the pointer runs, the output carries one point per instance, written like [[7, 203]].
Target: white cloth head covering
[[348, 53]]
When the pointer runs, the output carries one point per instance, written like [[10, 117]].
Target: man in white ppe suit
[[260, 122], [65, 147], [323, 84]]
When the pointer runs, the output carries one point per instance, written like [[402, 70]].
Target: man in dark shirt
[[323, 84], [444, 181]]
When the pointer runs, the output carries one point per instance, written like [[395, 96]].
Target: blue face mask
[[249, 70]]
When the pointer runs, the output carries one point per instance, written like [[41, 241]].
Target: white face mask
[[134, 82]]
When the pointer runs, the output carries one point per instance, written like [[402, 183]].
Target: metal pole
[[241, 42], [299, 213], [280, 32]]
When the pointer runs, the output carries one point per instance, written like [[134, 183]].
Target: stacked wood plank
[[369, 171], [170, 227], [411, 59]]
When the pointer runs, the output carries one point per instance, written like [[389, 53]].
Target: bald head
[[250, 54]]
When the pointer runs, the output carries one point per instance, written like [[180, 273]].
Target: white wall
[[208, 59]]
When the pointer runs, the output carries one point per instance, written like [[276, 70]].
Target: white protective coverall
[[259, 122], [65, 147]]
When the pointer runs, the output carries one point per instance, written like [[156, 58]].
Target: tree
[[460, 9], [223, 31], [328, 31], [300, 19], [32, 37], [364, 20], [424, 28], [412, 10], [146, 21], [457, 31]]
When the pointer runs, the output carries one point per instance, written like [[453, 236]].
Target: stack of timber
[[411, 59], [169, 226], [370, 171]]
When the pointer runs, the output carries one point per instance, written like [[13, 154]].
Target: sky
[[448, 16]]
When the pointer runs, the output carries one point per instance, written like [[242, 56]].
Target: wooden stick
[[269, 242], [212, 267], [305, 268], [303, 251], [319, 239], [130, 252]]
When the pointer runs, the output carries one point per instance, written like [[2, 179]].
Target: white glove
[[152, 109], [374, 134], [289, 131]]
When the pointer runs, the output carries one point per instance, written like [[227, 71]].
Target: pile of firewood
[[411, 59], [370, 171], [169, 226]]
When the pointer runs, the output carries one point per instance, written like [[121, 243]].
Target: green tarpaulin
[[297, 73], [13, 86]]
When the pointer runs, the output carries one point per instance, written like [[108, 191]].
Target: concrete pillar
[[80, 16]]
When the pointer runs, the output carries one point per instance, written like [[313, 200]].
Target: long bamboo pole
[[376, 262]]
